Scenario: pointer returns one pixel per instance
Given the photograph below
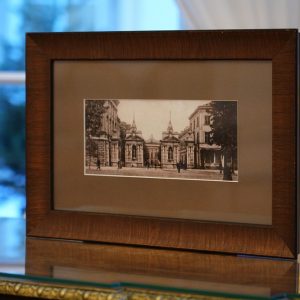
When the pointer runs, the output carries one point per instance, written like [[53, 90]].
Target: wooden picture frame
[[278, 47]]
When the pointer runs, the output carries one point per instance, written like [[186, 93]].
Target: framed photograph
[[180, 139]]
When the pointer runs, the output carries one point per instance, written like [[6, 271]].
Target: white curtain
[[239, 14]]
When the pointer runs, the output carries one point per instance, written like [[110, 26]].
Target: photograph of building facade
[[120, 145], [187, 148], [107, 140], [170, 148], [134, 147], [206, 153], [152, 152]]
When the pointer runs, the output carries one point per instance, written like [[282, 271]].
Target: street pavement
[[159, 173]]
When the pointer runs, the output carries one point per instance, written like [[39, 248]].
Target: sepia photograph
[[165, 139]]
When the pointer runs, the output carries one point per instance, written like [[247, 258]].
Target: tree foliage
[[224, 123], [123, 129], [224, 132], [94, 110]]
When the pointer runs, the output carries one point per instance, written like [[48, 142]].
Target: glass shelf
[[60, 266]]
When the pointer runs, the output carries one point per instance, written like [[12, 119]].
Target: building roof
[[133, 126], [184, 131], [170, 138], [152, 140], [170, 135], [114, 103], [186, 134], [115, 135], [210, 147], [132, 133], [199, 108], [134, 137], [170, 127]]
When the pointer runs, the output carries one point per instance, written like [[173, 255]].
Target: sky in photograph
[[152, 116]]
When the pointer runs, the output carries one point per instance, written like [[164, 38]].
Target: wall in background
[[240, 14]]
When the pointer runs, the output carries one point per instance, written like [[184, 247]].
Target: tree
[[94, 110], [224, 132], [123, 129]]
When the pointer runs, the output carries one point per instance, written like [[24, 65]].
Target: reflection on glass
[[12, 245], [161, 269], [12, 150]]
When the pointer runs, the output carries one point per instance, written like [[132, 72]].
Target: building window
[[197, 137], [194, 124], [170, 153], [198, 121], [134, 152], [207, 137], [207, 120]]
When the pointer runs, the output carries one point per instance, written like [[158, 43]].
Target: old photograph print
[[166, 139]]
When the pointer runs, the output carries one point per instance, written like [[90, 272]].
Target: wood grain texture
[[164, 266], [280, 46]]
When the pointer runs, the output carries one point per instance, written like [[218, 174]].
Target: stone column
[[141, 155], [126, 154], [162, 155], [107, 153], [130, 153], [115, 153], [190, 156], [175, 154], [138, 154]]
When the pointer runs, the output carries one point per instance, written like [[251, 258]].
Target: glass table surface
[[60, 269]]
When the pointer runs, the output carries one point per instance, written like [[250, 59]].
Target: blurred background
[[20, 16]]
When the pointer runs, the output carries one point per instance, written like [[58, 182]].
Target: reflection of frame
[[86, 99], [159, 267]]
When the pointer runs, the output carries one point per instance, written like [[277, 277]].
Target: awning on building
[[210, 147]]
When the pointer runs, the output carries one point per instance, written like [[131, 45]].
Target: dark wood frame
[[279, 46]]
